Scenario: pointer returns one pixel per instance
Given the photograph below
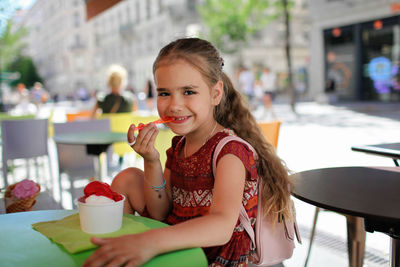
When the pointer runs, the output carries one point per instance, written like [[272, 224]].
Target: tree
[[288, 55], [28, 73], [230, 23], [11, 45]]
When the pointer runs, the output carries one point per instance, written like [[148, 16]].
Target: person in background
[[149, 90], [118, 100], [268, 85], [202, 209], [39, 95], [23, 100], [246, 84]]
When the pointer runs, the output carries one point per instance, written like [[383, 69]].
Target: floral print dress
[[192, 184]]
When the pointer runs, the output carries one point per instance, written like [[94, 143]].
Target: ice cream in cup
[[100, 209]]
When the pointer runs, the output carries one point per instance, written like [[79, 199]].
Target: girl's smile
[[186, 97], [181, 119]]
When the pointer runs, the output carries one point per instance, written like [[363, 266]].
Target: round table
[[96, 144], [21, 245], [368, 192]]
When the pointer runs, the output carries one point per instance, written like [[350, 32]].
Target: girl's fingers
[[97, 241], [131, 135], [144, 134], [152, 138]]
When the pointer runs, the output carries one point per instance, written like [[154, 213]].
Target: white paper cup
[[101, 218]]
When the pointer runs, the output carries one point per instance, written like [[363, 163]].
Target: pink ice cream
[[25, 189]]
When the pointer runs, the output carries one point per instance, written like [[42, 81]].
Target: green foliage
[[231, 23], [11, 45], [12, 58], [25, 66]]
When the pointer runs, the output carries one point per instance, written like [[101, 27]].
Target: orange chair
[[80, 115], [270, 131]]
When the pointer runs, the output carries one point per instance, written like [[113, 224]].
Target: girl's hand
[[144, 142], [127, 250]]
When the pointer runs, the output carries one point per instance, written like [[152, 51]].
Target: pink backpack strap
[[243, 217]]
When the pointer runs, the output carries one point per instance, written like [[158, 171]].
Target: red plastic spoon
[[161, 120]]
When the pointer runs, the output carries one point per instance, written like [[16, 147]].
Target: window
[[76, 19]]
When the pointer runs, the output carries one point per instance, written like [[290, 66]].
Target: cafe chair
[[26, 139], [120, 122], [270, 130], [80, 115], [73, 161]]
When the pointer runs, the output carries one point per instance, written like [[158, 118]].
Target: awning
[[95, 7]]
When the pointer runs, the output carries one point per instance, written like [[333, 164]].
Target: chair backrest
[[7, 116], [102, 125], [120, 122], [80, 115], [22, 139], [270, 131], [73, 159]]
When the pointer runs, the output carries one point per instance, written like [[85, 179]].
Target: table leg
[[394, 252], [100, 165], [355, 240], [103, 166]]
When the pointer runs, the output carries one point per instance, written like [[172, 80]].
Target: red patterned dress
[[192, 184]]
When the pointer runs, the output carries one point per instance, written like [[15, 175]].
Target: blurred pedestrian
[[268, 85], [246, 83], [118, 100], [39, 95], [149, 90], [22, 100]]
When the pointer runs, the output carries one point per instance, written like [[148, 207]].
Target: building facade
[[71, 52], [355, 48]]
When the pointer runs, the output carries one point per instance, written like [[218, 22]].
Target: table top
[[391, 150], [369, 192], [21, 245], [90, 138]]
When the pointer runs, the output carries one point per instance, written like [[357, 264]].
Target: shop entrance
[[381, 60]]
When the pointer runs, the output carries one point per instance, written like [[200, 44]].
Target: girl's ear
[[217, 93]]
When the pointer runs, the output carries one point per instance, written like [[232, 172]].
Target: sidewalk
[[321, 136]]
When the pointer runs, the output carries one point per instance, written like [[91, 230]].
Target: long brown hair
[[233, 113]]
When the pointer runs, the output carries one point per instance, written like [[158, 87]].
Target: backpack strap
[[243, 217]]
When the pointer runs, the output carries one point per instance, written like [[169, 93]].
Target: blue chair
[[26, 139]]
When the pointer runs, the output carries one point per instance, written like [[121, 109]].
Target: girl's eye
[[189, 92], [163, 94]]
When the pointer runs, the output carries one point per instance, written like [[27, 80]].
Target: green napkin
[[67, 232]]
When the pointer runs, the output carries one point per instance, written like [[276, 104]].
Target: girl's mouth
[[180, 119]]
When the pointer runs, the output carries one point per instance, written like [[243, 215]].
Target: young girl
[[202, 210]]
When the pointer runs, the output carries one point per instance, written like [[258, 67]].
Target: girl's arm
[[158, 202], [213, 229]]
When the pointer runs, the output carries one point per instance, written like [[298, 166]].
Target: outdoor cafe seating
[[74, 163], [26, 139]]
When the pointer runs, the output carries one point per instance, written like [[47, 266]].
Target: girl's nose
[[175, 104]]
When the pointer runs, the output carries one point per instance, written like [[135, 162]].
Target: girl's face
[[183, 94]]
